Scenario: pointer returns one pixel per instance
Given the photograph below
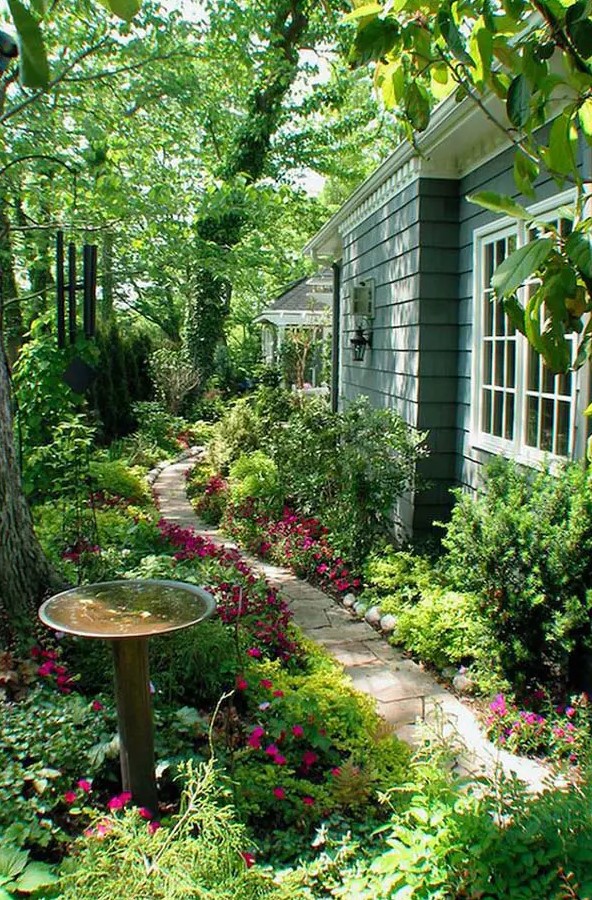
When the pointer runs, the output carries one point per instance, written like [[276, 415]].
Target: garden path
[[406, 696]]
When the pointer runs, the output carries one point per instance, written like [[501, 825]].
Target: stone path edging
[[408, 698]]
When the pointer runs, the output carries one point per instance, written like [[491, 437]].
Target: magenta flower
[[85, 785], [153, 826], [308, 801], [272, 750], [280, 760], [254, 652], [96, 706], [298, 731], [70, 797], [309, 758], [279, 793]]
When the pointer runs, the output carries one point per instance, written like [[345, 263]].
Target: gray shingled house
[[305, 303], [412, 261]]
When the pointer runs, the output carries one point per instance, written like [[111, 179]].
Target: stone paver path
[[406, 696]]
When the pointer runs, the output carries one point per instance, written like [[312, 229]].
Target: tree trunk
[[11, 321], [25, 573]]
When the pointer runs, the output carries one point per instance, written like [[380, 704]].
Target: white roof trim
[[460, 138]]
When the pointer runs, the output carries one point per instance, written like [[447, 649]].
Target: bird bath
[[127, 613]]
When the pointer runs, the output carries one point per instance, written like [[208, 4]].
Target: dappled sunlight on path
[[406, 696]]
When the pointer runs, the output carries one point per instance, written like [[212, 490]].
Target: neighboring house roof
[[306, 301]]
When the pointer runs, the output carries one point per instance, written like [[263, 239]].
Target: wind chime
[[79, 523]]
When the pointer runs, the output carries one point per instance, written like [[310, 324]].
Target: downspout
[[335, 336]]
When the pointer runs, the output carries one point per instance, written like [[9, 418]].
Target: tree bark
[[11, 320], [25, 573]]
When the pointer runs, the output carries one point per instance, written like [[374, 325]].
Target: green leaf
[[579, 249], [526, 171], [560, 157], [35, 876], [585, 117], [417, 106], [375, 40], [12, 861], [123, 9], [39, 6], [453, 37], [581, 35], [515, 312], [518, 102], [522, 263], [369, 9], [500, 203], [33, 65]]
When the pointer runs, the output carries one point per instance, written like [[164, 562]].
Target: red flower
[[255, 652], [70, 797], [96, 706], [266, 683], [248, 858], [85, 785], [309, 758], [241, 684], [308, 801], [278, 693], [279, 793], [145, 813]]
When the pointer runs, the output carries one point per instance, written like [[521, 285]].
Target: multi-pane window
[[520, 405]]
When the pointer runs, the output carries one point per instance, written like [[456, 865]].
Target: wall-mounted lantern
[[359, 342]]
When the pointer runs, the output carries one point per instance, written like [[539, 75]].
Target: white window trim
[[516, 448]]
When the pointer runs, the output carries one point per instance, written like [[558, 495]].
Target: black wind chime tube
[[72, 292], [60, 290], [90, 289]]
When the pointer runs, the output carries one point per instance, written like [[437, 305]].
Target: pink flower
[[280, 760], [336, 772], [248, 858], [85, 785], [119, 801], [272, 750], [45, 668], [308, 801], [309, 758], [279, 793], [254, 742], [241, 684], [96, 706], [70, 797], [570, 712], [255, 652], [298, 731], [145, 813], [153, 826]]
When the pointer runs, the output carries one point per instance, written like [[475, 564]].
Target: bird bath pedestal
[[127, 613]]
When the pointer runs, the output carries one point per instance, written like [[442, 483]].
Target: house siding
[[412, 366]]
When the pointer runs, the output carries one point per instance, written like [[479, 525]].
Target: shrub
[[202, 852], [394, 577], [254, 475], [238, 432], [526, 548], [195, 666], [117, 479], [443, 627]]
